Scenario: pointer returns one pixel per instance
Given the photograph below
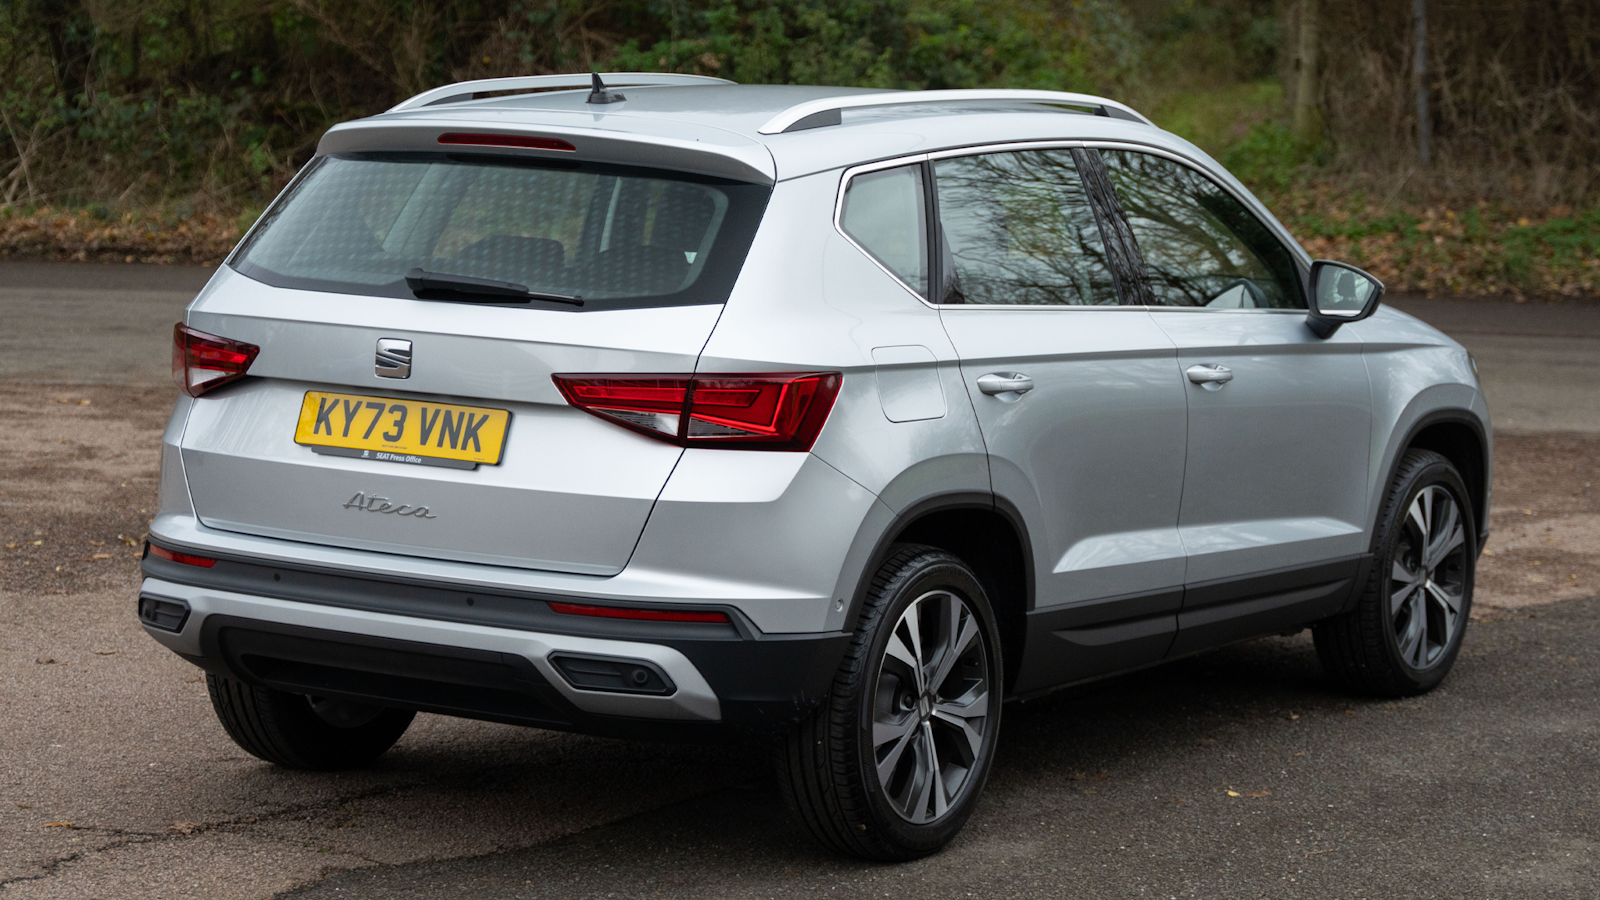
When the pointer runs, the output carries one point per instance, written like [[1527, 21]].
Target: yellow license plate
[[402, 431]]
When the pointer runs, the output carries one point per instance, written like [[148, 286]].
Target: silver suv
[[830, 417]]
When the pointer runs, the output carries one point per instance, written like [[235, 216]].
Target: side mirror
[[1340, 294]]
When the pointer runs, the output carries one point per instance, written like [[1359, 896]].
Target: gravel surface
[[116, 781]]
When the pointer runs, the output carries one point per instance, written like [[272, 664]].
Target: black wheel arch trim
[[1446, 416], [909, 515]]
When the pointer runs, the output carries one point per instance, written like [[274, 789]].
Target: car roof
[[717, 128]]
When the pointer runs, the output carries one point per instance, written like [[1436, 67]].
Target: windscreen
[[615, 237]]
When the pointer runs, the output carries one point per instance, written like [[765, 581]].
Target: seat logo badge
[[394, 358], [376, 504]]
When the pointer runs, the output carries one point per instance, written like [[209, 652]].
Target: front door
[[1083, 420], [1275, 483]]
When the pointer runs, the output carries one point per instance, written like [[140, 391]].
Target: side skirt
[[1091, 640]]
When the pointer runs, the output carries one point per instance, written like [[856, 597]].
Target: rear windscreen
[[616, 237]]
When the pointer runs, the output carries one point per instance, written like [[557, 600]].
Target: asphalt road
[[115, 780], [1537, 360], [1236, 775]]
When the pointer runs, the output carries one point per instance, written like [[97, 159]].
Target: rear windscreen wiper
[[420, 280]]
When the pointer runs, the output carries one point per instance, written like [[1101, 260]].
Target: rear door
[[1274, 488], [1084, 423], [300, 450]]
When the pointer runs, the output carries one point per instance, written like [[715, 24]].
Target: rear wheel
[[890, 768], [1404, 634], [300, 732]]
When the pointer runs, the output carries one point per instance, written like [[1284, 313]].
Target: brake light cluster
[[507, 140], [201, 362], [751, 412]]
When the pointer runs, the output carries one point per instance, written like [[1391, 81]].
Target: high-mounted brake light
[[750, 412], [507, 140], [649, 615], [204, 562], [203, 361]]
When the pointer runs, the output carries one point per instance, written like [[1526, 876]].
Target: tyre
[[300, 732], [1406, 629], [891, 766]]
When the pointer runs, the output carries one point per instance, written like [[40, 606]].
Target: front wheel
[[1404, 634], [891, 767]]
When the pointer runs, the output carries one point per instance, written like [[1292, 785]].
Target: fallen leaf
[[1349, 712], [85, 402], [1488, 553], [37, 543], [1258, 794], [11, 546], [101, 556], [44, 661], [58, 825], [1233, 793], [104, 652], [131, 542], [1293, 716], [183, 827]]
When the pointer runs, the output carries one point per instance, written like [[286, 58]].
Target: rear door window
[[1018, 228], [617, 237], [1201, 247]]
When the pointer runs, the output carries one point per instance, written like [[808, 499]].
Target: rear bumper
[[476, 654]]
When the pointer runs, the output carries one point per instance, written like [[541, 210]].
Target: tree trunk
[[1419, 21], [1307, 91]]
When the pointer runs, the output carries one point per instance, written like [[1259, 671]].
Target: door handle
[[1211, 377], [1005, 383]]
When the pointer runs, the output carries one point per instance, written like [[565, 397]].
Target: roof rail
[[469, 90], [824, 112]]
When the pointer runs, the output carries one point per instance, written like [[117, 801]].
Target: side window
[[1201, 247], [1018, 229], [886, 213]]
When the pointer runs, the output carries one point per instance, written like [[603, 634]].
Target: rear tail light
[[203, 361], [648, 615], [752, 412], [204, 562]]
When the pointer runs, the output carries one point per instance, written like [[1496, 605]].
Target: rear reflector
[[750, 412], [203, 361], [185, 558], [508, 140], [649, 615]]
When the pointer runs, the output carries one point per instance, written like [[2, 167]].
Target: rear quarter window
[[618, 237]]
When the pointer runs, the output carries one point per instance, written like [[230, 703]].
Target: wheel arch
[[1460, 436], [988, 534]]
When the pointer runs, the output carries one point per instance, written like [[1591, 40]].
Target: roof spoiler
[[463, 91]]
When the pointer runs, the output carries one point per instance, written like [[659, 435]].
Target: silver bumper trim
[[693, 700]]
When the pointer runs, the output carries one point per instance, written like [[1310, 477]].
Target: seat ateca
[[833, 418]]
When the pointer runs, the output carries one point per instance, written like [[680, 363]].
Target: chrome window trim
[[1249, 203]]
